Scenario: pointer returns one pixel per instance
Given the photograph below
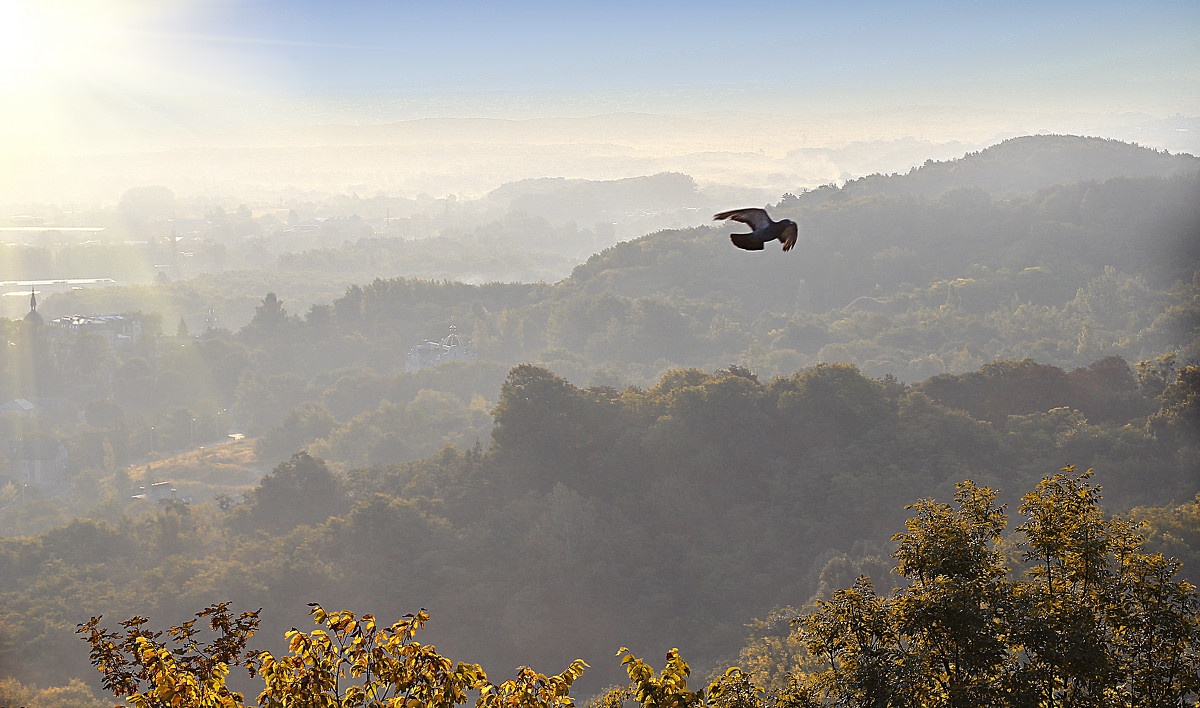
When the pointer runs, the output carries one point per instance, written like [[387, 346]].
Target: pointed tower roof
[[33, 317]]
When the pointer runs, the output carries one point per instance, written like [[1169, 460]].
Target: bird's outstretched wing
[[746, 241], [789, 236], [754, 218]]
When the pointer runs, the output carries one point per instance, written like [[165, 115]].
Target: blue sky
[[1145, 54], [830, 47]]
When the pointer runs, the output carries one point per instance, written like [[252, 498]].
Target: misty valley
[[943, 451]]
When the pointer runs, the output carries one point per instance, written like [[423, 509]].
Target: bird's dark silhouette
[[765, 229]]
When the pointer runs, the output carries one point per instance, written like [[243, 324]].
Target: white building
[[121, 331], [451, 348]]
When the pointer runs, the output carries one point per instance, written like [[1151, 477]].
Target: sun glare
[[92, 75], [16, 45], [55, 46]]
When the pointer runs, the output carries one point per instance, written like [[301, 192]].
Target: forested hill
[[1020, 165], [906, 286], [1071, 206], [1094, 250], [669, 516], [676, 439]]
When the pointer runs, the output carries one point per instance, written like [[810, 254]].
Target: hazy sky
[[848, 49], [86, 74]]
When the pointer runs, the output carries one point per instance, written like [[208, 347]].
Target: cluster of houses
[[121, 331], [40, 461]]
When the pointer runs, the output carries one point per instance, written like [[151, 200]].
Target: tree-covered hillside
[[676, 439], [1020, 166], [902, 285], [596, 518], [1071, 609]]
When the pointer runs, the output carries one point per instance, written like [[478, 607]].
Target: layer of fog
[[272, 150]]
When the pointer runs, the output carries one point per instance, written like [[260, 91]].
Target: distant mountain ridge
[[1037, 217], [549, 195], [1020, 165]]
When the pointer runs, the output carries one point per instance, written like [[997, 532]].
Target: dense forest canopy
[[676, 439], [597, 518], [1087, 618]]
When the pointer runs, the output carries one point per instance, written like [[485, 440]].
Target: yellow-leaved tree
[[349, 661]]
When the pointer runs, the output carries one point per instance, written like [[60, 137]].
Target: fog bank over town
[[272, 148]]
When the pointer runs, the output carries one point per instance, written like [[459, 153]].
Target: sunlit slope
[[230, 468]]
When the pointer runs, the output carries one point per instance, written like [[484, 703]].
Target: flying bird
[[764, 229]]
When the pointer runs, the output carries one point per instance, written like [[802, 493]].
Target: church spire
[[33, 317]]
